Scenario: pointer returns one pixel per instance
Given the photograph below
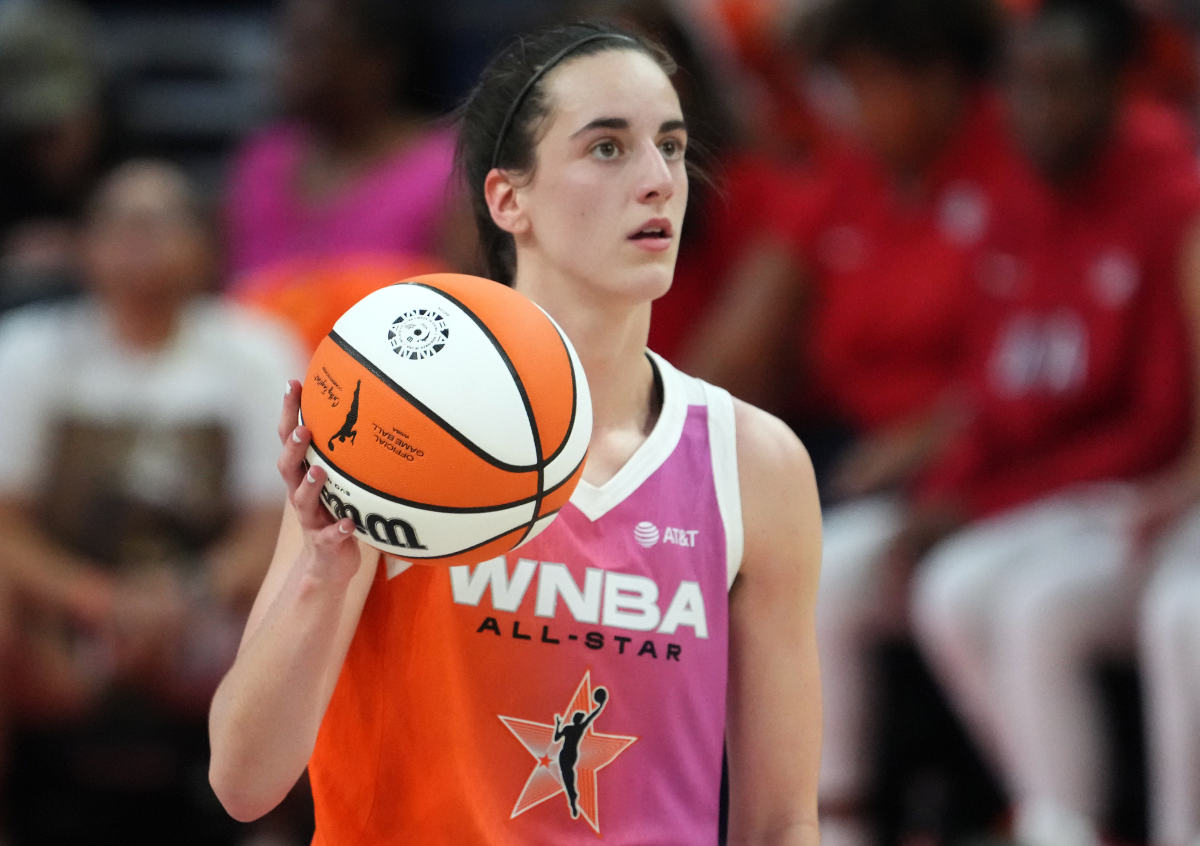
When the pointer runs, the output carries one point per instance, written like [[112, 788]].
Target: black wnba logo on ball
[[419, 333]]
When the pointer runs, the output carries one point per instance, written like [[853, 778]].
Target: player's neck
[[626, 403], [625, 399], [610, 339]]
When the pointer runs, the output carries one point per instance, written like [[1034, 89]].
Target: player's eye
[[605, 150], [672, 149]]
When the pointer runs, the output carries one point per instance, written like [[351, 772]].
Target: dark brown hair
[[498, 123]]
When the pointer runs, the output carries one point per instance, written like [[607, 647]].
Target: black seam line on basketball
[[448, 509], [412, 503], [415, 558], [433, 416], [574, 400], [516, 377]]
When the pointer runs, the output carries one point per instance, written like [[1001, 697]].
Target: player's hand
[[330, 550]]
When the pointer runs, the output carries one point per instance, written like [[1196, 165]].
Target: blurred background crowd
[[955, 244]]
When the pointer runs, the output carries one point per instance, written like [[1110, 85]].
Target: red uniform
[[1080, 371], [891, 273]]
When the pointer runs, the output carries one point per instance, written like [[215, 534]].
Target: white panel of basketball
[[541, 525], [431, 343]]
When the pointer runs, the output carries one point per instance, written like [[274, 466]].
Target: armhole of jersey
[[722, 442]]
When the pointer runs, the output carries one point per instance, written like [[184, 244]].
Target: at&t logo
[[647, 534]]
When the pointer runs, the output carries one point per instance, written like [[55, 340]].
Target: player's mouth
[[654, 235]]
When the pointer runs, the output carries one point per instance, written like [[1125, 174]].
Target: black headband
[[538, 74]]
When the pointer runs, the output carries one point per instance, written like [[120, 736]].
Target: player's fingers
[[291, 458], [306, 498], [335, 539], [291, 410]]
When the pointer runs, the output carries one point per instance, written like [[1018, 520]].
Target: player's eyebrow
[[622, 123], [602, 123]]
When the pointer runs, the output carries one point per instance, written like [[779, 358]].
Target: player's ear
[[504, 201]]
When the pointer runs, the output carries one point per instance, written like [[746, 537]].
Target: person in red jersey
[[868, 274], [1079, 388]]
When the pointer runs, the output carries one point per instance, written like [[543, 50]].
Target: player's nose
[[655, 180]]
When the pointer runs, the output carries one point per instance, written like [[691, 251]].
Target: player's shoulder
[[767, 445], [780, 507], [777, 482]]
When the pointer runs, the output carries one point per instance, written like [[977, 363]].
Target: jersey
[[570, 691], [1080, 371], [890, 271]]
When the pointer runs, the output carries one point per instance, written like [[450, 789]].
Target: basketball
[[451, 415]]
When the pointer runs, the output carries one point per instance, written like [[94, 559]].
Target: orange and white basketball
[[452, 417]]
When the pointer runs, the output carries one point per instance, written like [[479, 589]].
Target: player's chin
[[648, 281]]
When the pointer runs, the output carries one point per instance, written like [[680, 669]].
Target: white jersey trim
[[596, 501], [722, 446]]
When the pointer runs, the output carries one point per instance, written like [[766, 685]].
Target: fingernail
[[345, 531], [296, 435], [312, 480], [287, 388]]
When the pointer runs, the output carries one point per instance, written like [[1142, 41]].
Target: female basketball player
[[425, 700]]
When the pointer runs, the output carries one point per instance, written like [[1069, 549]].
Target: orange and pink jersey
[[570, 692]]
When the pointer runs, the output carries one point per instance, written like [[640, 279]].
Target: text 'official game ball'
[[451, 415]]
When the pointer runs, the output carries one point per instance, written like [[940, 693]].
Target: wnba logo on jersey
[[608, 597], [568, 754]]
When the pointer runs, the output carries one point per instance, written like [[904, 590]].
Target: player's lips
[[655, 235]]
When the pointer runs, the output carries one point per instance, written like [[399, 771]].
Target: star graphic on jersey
[[595, 751]]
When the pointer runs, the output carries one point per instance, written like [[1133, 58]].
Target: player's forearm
[[267, 710]]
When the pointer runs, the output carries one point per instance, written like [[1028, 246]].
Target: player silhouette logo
[[348, 430], [570, 734]]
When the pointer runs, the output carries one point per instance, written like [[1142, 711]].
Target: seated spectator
[[853, 309], [138, 507], [356, 167], [1079, 390]]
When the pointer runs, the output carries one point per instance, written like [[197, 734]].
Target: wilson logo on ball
[[419, 333], [396, 532]]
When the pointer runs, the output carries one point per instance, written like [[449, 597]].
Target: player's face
[[606, 199]]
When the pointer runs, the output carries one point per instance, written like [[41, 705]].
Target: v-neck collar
[[594, 501]]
